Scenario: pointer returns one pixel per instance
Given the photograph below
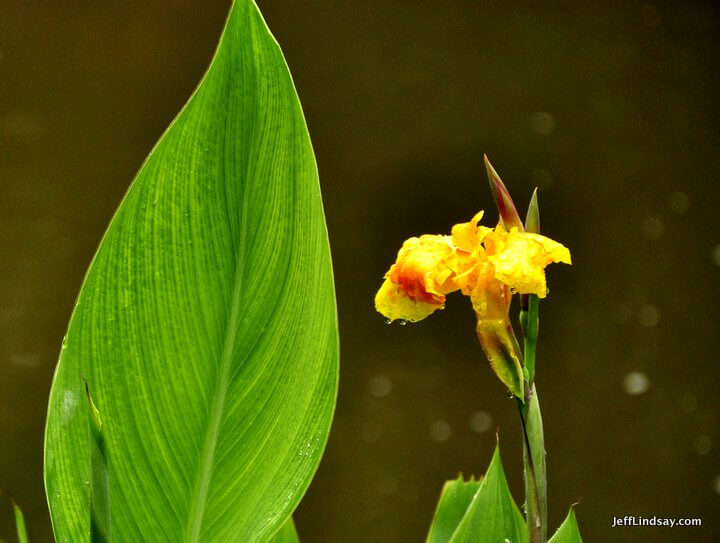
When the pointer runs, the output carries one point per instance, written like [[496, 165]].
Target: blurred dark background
[[610, 108]]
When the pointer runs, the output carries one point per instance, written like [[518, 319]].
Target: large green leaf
[[492, 515], [454, 501], [568, 531], [206, 325]]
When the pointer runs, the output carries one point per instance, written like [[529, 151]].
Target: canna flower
[[483, 263], [487, 265]]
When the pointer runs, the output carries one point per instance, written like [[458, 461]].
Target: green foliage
[[100, 523], [488, 516], [20, 526], [454, 502], [206, 325], [568, 531]]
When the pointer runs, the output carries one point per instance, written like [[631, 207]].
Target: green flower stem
[[533, 438], [534, 467], [530, 323]]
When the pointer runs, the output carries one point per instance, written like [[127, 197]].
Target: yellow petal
[[468, 235], [415, 286], [422, 268], [520, 259], [554, 251], [393, 302]]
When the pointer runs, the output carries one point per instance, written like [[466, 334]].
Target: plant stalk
[[534, 466]]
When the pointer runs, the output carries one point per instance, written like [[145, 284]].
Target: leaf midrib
[[205, 468], [202, 484]]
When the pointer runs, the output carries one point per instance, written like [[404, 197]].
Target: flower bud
[[506, 207]]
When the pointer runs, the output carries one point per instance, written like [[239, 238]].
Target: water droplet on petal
[[402, 322], [388, 321]]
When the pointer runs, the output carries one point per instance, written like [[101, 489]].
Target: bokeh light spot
[[702, 445], [635, 383], [716, 254], [440, 430], [542, 123], [649, 316], [678, 202], [481, 421], [652, 227], [380, 386]]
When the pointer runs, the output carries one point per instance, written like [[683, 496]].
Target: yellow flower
[[485, 264], [488, 266]]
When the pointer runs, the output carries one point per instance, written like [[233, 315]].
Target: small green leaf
[[532, 219], [20, 524], [286, 534], [100, 527], [568, 531], [492, 516], [454, 501]]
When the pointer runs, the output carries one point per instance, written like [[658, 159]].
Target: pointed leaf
[[568, 531], [492, 515], [206, 324], [454, 501], [532, 219], [100, 530], [20, 526]]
